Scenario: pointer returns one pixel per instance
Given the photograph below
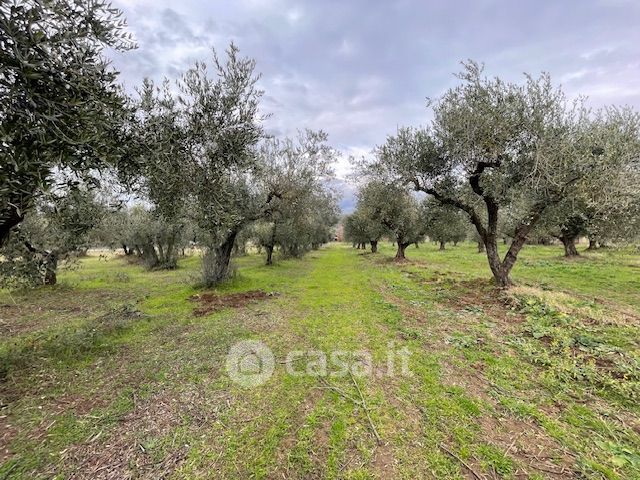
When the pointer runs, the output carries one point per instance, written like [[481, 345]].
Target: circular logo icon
[[250, 363]]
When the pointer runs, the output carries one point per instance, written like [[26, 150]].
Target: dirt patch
[[473, 382], [384, 461], [128, 452], [523, 440], [477, 295], [212, 302], [7, 433], [527, 443]]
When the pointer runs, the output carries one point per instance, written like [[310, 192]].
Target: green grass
[[109, 374]]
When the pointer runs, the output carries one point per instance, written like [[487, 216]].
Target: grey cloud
[[359, 69]]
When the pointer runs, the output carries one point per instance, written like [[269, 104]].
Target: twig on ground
[[451, 454], [363, 404], [340, 392]]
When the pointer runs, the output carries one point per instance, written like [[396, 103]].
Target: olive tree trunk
[[400, 252], [569, 243], [374, 246], [500, 269], [9, 218], [216, 261], [50, 264], [269, 249], [149, 255], [47, 263]]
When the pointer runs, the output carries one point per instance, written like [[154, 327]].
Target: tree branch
[[468, 209], [474, 179]]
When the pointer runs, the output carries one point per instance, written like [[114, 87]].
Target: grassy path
[[111, 375]]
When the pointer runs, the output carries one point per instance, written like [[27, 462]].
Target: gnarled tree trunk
[[498, 269], [569, 243], [501, 269], [374, 246], [441, 246], [216, 262], [400, 252], [50, 264], [149, 255]]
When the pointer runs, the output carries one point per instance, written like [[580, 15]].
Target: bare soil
[[212, 302]]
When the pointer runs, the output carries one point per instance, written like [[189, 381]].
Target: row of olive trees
[[516, 160], [391, 210], [302, 208], [194, 152], [204, 160]]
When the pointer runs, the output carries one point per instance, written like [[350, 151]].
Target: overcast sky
[[358, 69]]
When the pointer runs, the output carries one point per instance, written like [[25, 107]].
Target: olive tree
[[444, 223], [394, 208], [293, 178], [602, 205], [567, 222], [223, 126], [496, 146], [114, 231], [159, 173], [361, 230], [620, 224], [57, 229], [61, 109]]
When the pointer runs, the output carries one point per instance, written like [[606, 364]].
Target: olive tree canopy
[[395, 209], [61, 108], [293, 176], [495, 145]]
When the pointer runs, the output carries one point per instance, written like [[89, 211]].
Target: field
[[118, 372]]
